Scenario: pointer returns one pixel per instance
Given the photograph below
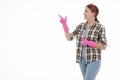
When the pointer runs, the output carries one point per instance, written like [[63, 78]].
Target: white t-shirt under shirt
[[84, 53]]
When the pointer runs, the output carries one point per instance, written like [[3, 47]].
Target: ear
[[94, 13]]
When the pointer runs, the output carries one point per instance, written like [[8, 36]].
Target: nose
[[84, 13]]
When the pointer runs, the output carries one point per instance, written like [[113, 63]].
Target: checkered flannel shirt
[[96, 33]]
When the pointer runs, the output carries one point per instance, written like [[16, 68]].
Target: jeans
[[89, 71]]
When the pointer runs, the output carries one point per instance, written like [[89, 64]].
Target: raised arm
[[65, 27]]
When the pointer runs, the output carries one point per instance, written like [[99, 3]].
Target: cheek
[[85, 14], [89, 15]]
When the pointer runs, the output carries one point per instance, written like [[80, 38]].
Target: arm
[[100, 46], [93, 44], [67, 35], [65, 27]]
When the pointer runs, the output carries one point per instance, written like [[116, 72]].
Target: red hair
[[94, 9]]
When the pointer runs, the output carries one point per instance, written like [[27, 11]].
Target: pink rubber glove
[[85, 42], [64, 23]]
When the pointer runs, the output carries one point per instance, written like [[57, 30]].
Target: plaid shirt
[[96, 33]]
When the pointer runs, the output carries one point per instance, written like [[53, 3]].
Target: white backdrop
[[33, 45]]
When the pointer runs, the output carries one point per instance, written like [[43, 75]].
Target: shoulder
[[99, 25], [81, 25]]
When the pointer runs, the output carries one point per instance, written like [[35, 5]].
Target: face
[[88, 14]]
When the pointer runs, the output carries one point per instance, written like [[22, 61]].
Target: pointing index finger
[[60, 16]]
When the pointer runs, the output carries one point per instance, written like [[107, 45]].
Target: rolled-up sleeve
[[102, 36], [73, 34]]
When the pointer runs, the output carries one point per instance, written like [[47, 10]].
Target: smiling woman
[[32, 45], [91, 39]]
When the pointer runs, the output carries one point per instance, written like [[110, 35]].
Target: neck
[[90, 22]]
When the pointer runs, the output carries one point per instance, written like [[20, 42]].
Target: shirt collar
[[92, 25]]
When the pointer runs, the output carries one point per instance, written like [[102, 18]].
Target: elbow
[[67, 35], [104, 48], [100, 46], [68, 39]]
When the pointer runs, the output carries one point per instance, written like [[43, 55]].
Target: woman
[[90, 40]]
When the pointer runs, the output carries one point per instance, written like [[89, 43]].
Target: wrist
[[64, 24], [65, 27]]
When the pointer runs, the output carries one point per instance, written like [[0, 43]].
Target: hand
[[85, 42], [62, 20], [64, 23]]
